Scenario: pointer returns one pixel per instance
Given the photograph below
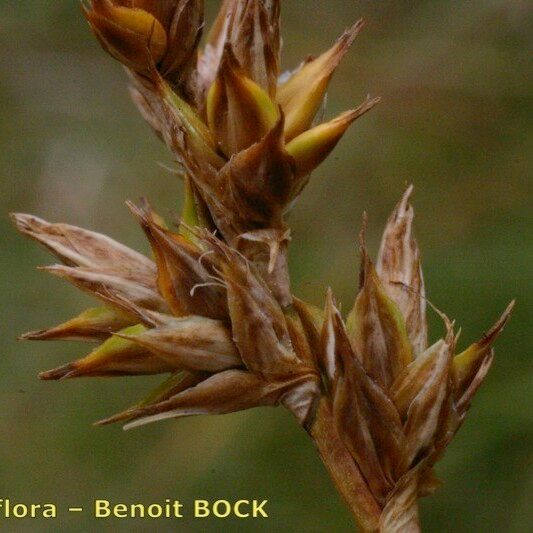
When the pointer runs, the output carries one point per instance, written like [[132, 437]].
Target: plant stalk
[[343, 470], [400, 513]]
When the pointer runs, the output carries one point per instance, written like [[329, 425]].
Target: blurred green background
[[455, 78]]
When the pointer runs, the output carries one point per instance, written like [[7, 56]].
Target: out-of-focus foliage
[[455, 120]]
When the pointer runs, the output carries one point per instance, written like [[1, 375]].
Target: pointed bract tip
[[330, 303], [33, 335], [56, 270], [353, 30], [26, 223], [119, 417], [136, 211], [408, 192], [63, 372], [403, 205], [142, 422], [367, 105], [362, 234], [490, 336], [18, 219], [345, 41], [142, 416], [143, 213]]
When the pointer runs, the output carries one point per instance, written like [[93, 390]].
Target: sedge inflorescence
[[213, 307]]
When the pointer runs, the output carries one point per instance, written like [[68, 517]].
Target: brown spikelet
[[92, 325], [191, 343], [377, 329], [400, 270], [301, 95]]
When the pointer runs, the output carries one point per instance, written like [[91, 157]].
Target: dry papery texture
[[213, 308]]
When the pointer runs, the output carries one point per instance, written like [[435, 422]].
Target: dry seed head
[[235, 108], [214, 308]]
